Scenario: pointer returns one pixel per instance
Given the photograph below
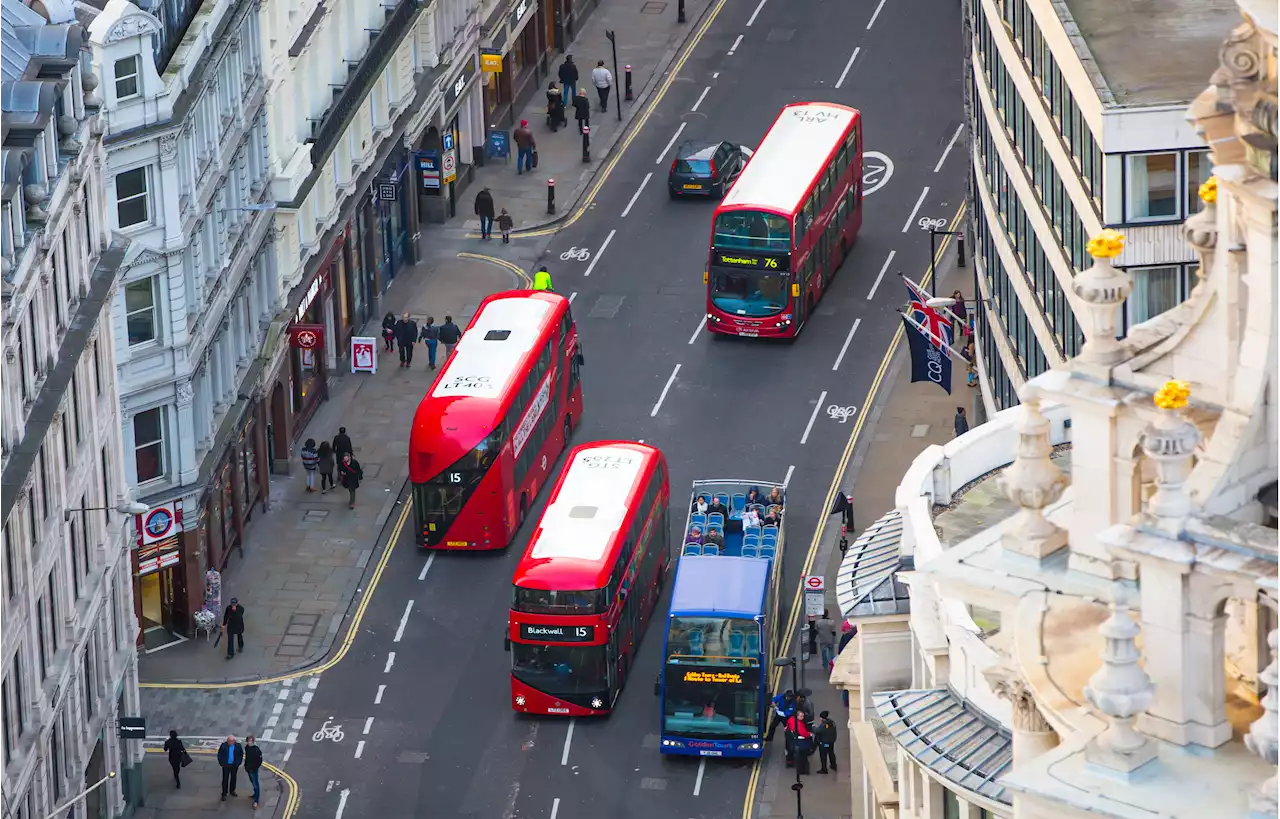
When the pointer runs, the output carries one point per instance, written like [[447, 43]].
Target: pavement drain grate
[[650, 783], [653, 8], [297, 633], [606, 307], [919, 430], [315, 515], [780, 35], [412, 757]]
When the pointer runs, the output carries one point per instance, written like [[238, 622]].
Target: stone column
[[1033, 482], [1032, 733], [1120, 690], [1264, 738]]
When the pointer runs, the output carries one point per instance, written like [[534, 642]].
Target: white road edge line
[[426, 567], [342, 802], [950, 145], [609, 238], [845, 348], [847, 66], [404, 621], [704, 93], [880, 278], [875, 15], [791, 469], [555, 807], [735, 45], [568, 740], [916, 209], [368, 724], [288, 752], [702, 763], [809, 428], [573, 296], [753, 17], [359, 749], [377, 698], [663, 397], [391, 660], [696, 332], [674, 137]]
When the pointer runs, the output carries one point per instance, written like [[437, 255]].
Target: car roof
[[696, 149]]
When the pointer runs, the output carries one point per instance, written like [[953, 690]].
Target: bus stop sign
[[815, 595]]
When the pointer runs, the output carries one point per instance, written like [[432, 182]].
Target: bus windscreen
[[711, 702], [441, 498], [561, 670]]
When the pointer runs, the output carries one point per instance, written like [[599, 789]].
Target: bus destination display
[[557, 634], [720, 677], [754, 261]]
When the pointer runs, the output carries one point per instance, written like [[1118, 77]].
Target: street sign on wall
[[815, 595]]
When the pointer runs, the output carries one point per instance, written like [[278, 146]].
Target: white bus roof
[[794, 150], [483, 368], [591, 504]]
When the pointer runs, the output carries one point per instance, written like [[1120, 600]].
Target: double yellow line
[[635, 128], [292, 797], [748, 806], [525, 281]]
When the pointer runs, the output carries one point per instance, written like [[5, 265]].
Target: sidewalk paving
[[201, 790], [304, 559], [649, 43]]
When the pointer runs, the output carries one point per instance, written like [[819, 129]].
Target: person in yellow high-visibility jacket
[[542, 279]]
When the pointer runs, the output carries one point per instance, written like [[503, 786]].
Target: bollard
[[551, 196], [680, 11], [586, 143], [629, 97], [960, 248]]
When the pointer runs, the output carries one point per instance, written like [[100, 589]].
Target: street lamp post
[[64, 806], [933, 243], [795, 687], [680, 11], [617, 93], [124, 508]]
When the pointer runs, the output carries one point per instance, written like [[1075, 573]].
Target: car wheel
[[671, 192]]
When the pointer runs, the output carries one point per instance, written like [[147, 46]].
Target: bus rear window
[[538, 601], [752, 230]]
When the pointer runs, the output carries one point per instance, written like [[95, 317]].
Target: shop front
[[516, 52], [159, 585], [234, 488], [393, 214], [309, 352]]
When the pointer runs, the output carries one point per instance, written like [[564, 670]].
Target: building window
[[42, 636], [148, 444], [55, 760], [33, 516], [75, 560], [1155, 290], [44, 486], [97, 368], [106, 488], [131, 198], [140, 310], [10, 565], [950, 805], [126, 73], [89, 698], [1153, 188], [1199, 169]]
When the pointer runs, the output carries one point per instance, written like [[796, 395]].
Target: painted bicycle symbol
[[327, 732], [932, 224], [576, 254], [842, 414]]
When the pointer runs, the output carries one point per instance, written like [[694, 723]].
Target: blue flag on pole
[[928, 362]]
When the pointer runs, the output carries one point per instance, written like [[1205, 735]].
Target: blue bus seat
[[759, 507], [695, 642], [767, 552], [769, 529], [716, 519], [711, 549], [735, 643], [753, 643], [751, 537], [750, 550], [738, 504], [692, 549], [751, 531], [697, 519]]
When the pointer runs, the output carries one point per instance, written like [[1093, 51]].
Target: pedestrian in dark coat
[[582, 110], [826, 736], [962, 422], [233, 625], [252, 762], [389, 330], [342, 442], [406, 337], [450, 335], [555, 107], [568, 78], [328, 463], [525, 146], [430, 336], [230, 758], [350, 474], [176, 751], [484, 209]]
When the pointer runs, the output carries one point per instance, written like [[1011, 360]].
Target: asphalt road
[[430, 733]]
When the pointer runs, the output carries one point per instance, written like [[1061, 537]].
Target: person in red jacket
[[799, 741]]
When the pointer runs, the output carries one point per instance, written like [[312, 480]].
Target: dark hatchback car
[[706, 168]]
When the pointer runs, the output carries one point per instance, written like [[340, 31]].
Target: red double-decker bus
[[487, 433], [589, 580], [787, 224]]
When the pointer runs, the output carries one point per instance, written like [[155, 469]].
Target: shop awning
[[867, 584]]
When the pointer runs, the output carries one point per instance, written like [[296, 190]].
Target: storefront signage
[[306, 336], [453, 93], [449, 166], [753, 260], [312, 292], [720, 677], [156, 556], [364, 354], [387, 191], [132, 727], [517, 14], [491, 61], [160, 523], [429, 169], [557, 634]]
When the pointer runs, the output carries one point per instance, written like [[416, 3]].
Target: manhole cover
[[780, 35], [653, 8]]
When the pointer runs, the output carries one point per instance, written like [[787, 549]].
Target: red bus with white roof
[[589, 580], [499, 414], [785, 227]]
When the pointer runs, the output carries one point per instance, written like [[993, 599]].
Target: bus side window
[[842, 160], [575, 369]]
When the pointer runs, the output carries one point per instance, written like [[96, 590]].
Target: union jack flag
[[938, 325]]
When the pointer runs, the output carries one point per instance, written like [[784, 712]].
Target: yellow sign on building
[[491, 63]]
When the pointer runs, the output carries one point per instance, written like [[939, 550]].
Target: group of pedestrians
[[804, 734], [405, 334], [484, 202], [324, 458], [231, 756]]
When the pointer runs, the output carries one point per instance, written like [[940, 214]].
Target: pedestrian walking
[[826, 628], [350, 473], [450, 335], [582, 110], [230, 758], [568, 75], [962, 422], [310, 461], [603, 81], [555, 107], [178, 756], [233, 626], [799, 741], [825, 733], [542, 279], [783, 707], [252, 762], [342, 443], [484, 209], [525, 146], [328, 463], [960, 311], [505, 224], [430, 335], [389, 331], [406, 337]]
